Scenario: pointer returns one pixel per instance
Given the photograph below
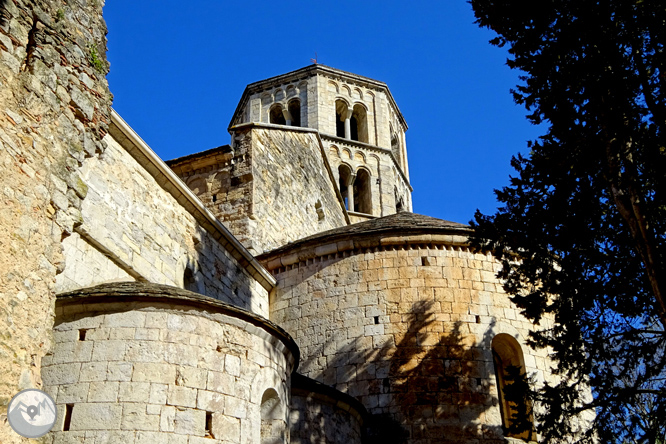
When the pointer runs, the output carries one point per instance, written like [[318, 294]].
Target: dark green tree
[[581, 228]]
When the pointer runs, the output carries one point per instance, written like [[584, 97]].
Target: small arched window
[[273, 425], [340, 116], [399, 204], [294, 108], [359, 124], [344, 173], [512, 387], [395, 147], [362, 193], [276, 116]]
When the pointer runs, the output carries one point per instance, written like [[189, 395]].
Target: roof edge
[[145, 156], [332, 243], [129, 293]]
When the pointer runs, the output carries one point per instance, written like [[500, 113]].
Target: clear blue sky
[[178, 70]]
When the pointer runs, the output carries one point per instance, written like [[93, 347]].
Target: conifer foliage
[[582, 225]]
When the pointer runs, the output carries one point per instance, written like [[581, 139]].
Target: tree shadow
[[433, 385]]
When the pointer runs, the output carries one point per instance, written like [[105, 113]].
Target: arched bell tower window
[[399, 203], [294, 107], [344, 173], [359, 124], [340, 116], [511, 387], [362, 193], [395, 146], [276, 116]]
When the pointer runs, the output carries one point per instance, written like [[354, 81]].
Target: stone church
[[276, 289]]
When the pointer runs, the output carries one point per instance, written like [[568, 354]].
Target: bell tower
[[311, 150], [359, 123]]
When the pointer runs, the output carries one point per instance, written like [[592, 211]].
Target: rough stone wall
[[54, 107], [294, 195], [128, 214], [277, 192], [148, 372], [223, 182], [314, 420], [406, 330]]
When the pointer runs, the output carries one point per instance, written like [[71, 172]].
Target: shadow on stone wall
[[425, 391]]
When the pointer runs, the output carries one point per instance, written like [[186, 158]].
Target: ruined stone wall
[[141, 363], [406, 329], [54, 107], [129, 216]]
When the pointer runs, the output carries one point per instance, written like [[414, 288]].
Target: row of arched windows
[[351, 122], [355, 189], [291, 115]]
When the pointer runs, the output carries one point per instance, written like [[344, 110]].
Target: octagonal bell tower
[[311, 150], [360, 125]]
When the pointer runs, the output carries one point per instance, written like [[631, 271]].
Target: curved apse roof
[[404, 223]]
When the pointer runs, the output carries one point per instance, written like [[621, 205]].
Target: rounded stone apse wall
[[320, 414], [405, 324], [144, 363]]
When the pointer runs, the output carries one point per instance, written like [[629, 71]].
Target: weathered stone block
[[61, 374], [154, 372], [182, 396], [134, 392], [119, 371], [103, 392], [96, 416], [190, 422], [135, 417]]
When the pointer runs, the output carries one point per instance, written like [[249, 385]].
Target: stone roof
[[132, 295], [220, 150], [403, 223]]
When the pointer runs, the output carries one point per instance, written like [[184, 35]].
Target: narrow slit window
[[209, 425], [68, 417]]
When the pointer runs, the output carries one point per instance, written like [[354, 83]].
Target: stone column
[[287, 115], [348, 124], [350, 185]]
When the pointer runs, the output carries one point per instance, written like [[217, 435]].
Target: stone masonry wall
[[320, 414], [279, 191], [294, 194], [54, 107], [176, 369], [314, 421], [407, 330], [386, 183], [222, 180], [128, 214]]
